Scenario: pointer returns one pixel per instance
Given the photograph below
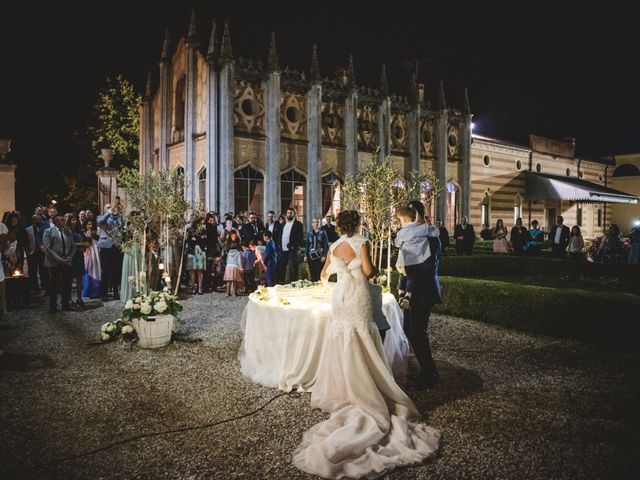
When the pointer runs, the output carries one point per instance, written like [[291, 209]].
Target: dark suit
[[444, 239], [289, 256], [464, 246], [251, 231], [426, 294], [59, 248], [559, 250]]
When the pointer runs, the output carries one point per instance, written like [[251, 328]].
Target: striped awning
[[544, 186]]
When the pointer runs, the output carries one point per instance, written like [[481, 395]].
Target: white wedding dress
[[373, 425]]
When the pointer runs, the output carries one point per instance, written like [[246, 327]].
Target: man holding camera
[[315, 250], [109, 242]]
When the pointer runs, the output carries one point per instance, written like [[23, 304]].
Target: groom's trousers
[[416, 323]]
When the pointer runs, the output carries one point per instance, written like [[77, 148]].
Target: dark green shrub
[[609, 318]]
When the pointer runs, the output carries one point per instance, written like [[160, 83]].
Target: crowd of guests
[[564, 242], [233, 254], [83, 252]]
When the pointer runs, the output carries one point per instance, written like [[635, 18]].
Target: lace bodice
[[351, 301]]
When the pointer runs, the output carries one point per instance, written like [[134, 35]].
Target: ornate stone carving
[[399, 132], [333, 123], [367, 126], [293, 116], [453, 142], [427, 138], [249, 108]]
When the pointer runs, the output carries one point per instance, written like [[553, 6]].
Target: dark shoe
[[116, 296], [53, 309]]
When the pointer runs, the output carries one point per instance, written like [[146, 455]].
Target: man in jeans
[[110, 254]]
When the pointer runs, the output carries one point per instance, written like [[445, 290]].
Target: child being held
[[413, 242]]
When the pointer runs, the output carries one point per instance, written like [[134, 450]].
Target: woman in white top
[[374, 427]]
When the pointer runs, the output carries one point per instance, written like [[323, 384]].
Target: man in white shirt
[[270, 224], [559, 238], [291, 239], [413, 242]]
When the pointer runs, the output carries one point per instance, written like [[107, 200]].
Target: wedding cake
[[297, 289]]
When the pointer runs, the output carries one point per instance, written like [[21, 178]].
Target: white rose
[[110, 328], [161, 306], [104, 327], [127, 329], [136, 306], [128, 305], [138, 300], [104, 337], [165, 289], [145, 309]]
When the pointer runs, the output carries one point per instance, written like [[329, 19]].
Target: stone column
[[165, 104], [146, 160], [190, 174], [351, 132], [441, 151], [314, 153], [413, 124], [413, 137], [212, 125], [273, 133], [226, 102], [384, 128], [465, 154], [7, 177]]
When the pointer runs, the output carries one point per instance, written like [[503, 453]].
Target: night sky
[[550, 71]]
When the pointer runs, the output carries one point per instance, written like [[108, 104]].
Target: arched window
[[180, 179], [331, 185], [626, 170], [517, 208], [292, 186], [485, 210], [248, 188], [453, 204], [178, 122], [202, 187]]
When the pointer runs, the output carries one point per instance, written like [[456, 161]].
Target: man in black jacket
[[426, 294], [252, 230], [559, 238], [444, 236], [465, 237], [291, 239]]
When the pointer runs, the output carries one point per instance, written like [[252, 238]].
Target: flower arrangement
[[262, 294], [118, 328], [140, 306], [154, 303], [303, 283]]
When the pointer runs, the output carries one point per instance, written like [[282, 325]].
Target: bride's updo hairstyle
[[348, 222]]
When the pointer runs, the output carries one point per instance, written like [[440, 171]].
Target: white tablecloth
[[282, 343]]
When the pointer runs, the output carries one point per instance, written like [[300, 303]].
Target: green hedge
[[500, 265], [606, 318]]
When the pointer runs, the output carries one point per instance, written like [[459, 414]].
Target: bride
[[373, 425]]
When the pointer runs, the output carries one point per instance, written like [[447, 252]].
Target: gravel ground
[[510, 405]]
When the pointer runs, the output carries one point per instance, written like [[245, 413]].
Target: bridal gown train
[[373, 425]]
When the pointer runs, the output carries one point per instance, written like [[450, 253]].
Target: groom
[[426, 294]]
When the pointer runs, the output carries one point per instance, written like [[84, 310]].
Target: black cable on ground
[[109, 446]]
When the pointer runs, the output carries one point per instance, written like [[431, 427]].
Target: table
[[17, 291], [282, 344]]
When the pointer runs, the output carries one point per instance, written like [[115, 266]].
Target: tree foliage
[[376, 190], [118, 121], [157, 209]]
